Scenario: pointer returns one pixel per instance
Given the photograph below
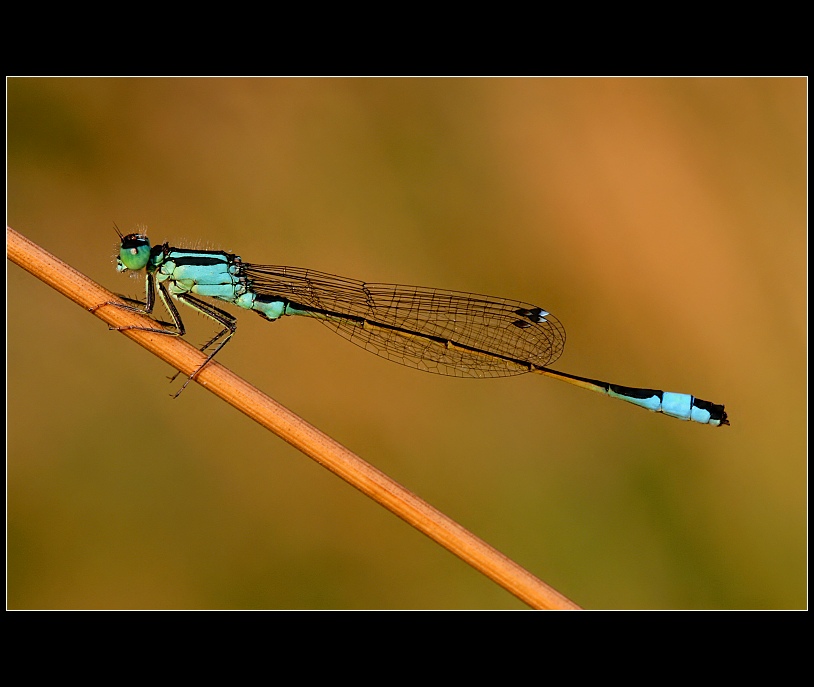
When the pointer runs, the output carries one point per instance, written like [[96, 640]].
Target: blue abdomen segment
[[680, 406]]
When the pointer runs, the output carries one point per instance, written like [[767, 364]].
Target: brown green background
[[663, 221]]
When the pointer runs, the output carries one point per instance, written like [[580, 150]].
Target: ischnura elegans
[[446, 332]]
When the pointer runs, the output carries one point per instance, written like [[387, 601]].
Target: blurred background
[[663, 221]]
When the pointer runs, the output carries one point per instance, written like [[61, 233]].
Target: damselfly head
[[134, 253]]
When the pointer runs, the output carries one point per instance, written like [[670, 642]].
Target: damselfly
[[447, 332]]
